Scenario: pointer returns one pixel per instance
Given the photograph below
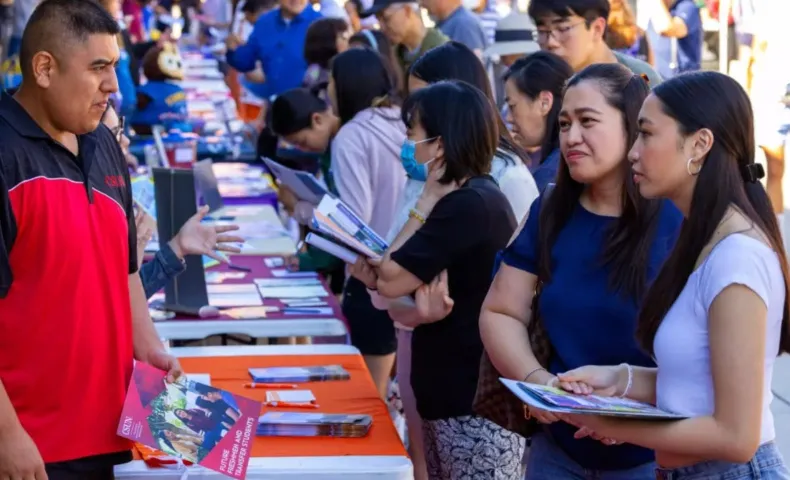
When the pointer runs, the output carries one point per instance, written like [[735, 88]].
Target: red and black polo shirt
[[67, 248]]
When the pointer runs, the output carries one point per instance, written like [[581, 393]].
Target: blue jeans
[[547, 461], [767, 464]]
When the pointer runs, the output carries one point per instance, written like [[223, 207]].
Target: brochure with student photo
[[191, 420], [559, 401]]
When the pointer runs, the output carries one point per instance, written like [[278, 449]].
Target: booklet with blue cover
[[298, 374]]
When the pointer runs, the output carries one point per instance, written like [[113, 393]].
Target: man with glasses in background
[[402, 23], [574, 30]]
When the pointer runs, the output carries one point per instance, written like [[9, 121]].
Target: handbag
[[493, 401]]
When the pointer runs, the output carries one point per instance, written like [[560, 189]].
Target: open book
[[559, 401], [303, 184], [333, 218]]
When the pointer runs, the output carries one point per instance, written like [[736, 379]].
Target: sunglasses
[[119, 129]]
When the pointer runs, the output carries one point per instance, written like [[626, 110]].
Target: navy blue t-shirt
[[689, 48], [598, 327]]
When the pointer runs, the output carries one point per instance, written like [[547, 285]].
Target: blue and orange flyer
[[197, 422]]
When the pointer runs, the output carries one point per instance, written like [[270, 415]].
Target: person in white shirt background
[[716, 317]]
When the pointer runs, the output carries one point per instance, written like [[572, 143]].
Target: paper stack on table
[[233, 295], [290, 287], [293, 424], [299, 374]]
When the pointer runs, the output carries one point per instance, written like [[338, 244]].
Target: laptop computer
[[207, 187]]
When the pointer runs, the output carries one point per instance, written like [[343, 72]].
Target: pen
[[239, 268], [270, 385], [310, 406], [316, 311]]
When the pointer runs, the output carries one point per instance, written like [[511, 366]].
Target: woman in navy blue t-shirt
[[596, 245]]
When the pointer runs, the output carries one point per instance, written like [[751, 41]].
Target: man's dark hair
[[589, 10], [254, 6], [58, 25]]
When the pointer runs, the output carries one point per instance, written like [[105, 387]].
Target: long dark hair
[[379, 42], [716, 102], [627, 245], [455, 61], [320, 42], [361, 81], [543, 72]]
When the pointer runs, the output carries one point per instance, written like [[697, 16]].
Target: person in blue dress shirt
[[277, 42]]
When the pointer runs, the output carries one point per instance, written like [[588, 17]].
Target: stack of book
[[293, 424], [298, 374], [348, 233]]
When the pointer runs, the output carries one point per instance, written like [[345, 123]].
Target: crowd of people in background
[[568, 201]]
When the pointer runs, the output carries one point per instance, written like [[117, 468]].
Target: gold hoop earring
[[691, 172]]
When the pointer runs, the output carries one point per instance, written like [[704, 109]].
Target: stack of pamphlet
[[294, 424], [287, 287], [334, 219], [299, 374], [559, 401]]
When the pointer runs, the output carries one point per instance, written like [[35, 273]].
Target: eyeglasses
[[558, 33], [118, 130]]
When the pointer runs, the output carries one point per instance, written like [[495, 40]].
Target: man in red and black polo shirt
[[68, 272]]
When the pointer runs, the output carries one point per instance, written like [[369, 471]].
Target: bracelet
[[533, 372], [630, 380], [413, 213]]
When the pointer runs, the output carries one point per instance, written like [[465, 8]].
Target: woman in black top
[[454, 232]]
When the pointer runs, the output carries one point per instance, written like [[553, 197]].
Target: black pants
[[62, 471], [99, 467]]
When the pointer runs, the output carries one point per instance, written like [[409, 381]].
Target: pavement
[[781, 404]]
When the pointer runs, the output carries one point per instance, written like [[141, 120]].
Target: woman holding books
[[717, 316], [369, 178], [594, 244], [451, 61], [455, 229]]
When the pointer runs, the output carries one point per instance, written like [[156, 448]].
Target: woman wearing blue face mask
[[451, 61]]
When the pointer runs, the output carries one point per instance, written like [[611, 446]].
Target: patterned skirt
[[472, 448]]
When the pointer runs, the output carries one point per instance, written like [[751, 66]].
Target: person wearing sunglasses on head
[[194, 238]]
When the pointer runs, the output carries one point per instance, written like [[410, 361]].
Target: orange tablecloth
[[357, 395]]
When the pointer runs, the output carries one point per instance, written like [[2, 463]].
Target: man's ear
[[598, 27], [43, 68]]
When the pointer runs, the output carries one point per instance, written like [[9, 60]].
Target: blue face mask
[[415, 170]]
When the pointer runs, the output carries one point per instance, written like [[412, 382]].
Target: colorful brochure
[[334, 218], [559, 401], [191, 420]]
